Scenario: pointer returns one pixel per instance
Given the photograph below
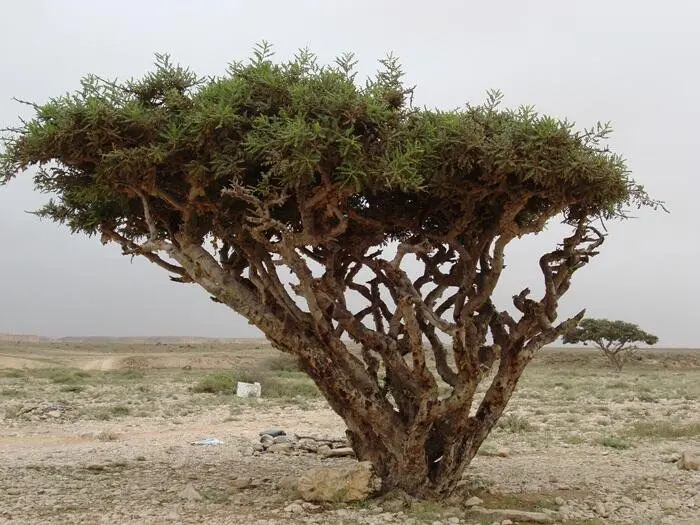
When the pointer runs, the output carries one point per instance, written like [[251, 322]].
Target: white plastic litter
[[208, 441], [248, 389]]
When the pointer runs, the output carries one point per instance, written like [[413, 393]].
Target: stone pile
[[45, 411], [276, 440]]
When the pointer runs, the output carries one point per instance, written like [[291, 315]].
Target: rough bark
[[388, 395]]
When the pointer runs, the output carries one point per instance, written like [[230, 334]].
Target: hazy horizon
[[7, 337], [624, 62]]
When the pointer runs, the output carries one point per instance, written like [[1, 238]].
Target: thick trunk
[[432, 471], [427, 460]]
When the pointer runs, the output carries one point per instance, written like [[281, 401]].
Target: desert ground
[[100, 431]]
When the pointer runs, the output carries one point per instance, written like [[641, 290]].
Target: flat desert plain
[[100, 431]]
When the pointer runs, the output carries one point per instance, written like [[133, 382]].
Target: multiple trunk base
[[424, 474], [426, 458]]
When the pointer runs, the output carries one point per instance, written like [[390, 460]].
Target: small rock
[[559, 501], [241, 483], [507, 522], [54, 413], [294, 508], [336, 452], [140, 458], [274, 432], [689, 461], [323, 450], [454, 520], [190, 494], [600, 509], [514, 515], [473, 501], [282, 439], [280, 448], [258, 447], [308, 444], [266, 440], [672, 458], [353, 483], [503, 452]]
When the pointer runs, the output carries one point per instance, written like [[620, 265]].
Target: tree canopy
[[228, 181], [616, 339], [294, 127]]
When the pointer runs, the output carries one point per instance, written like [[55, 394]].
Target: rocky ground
[[103, 434]]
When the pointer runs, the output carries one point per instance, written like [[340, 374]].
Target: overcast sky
[[631, 62]]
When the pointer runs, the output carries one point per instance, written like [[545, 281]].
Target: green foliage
[[281, 363], [515, 424], [606, 334], [62, 376], [289, 387], [12, 393], [75, 389], [665, 429], [126, 375], [278, 383], [273, 127], [105, 413], [616, 339], [120, 410], [614, 442], [215, 383]]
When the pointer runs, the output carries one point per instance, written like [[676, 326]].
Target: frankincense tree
[[616, 339], [281, 168]]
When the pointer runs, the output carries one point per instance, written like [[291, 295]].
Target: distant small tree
[[616, 339], [295, 169]]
